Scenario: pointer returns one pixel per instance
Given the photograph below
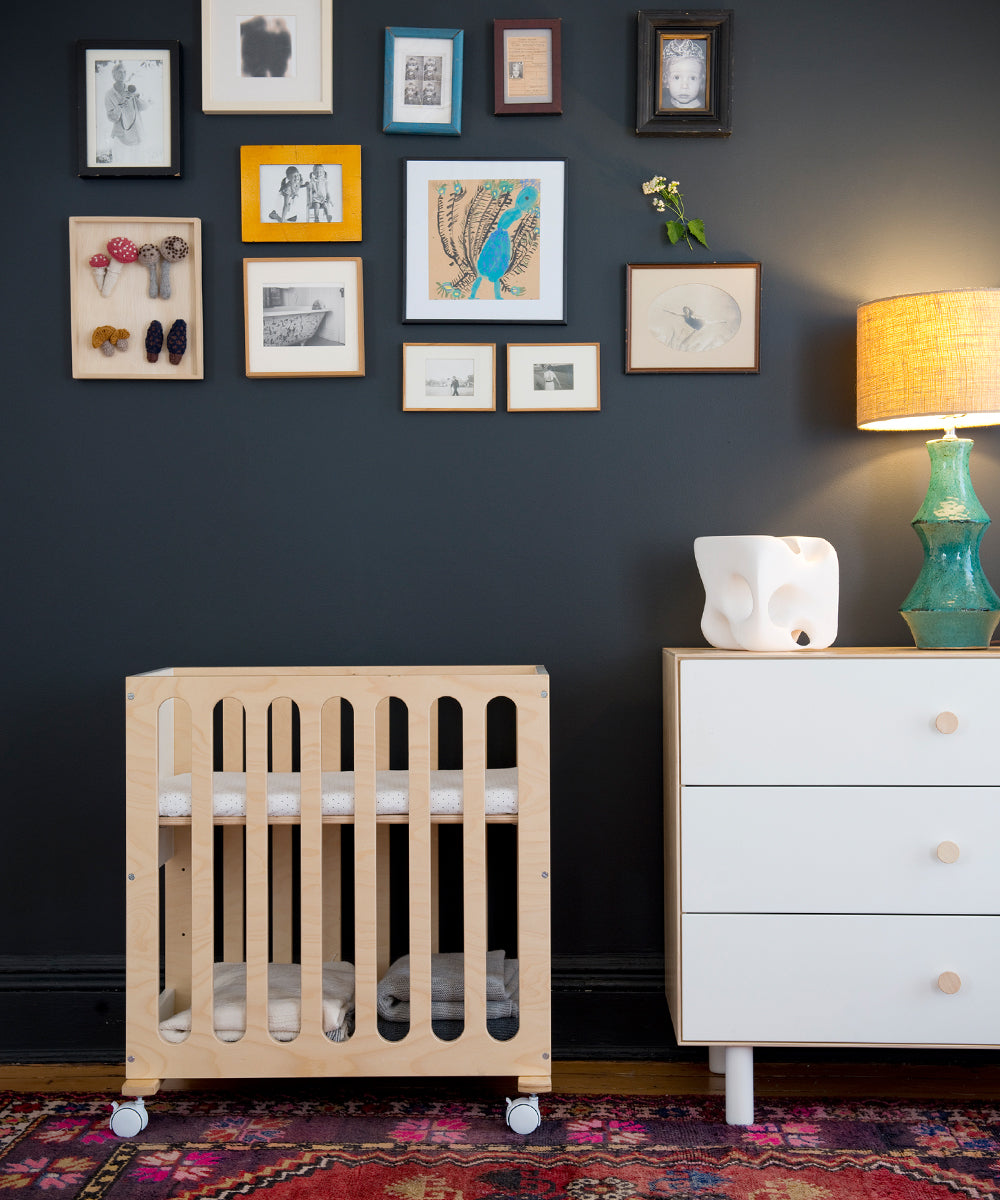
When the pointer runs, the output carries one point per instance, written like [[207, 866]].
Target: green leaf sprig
[[666, 196]]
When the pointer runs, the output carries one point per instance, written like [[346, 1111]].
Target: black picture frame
[[152, 72], [697, 112]]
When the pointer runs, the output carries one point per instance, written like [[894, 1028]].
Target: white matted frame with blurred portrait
[[697, 317], [553, 377], [449, 377], [304, 316], [267, 58]]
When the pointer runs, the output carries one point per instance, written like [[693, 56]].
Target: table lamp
[[932, 361]]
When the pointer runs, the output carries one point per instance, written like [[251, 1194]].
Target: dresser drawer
[[802, 719], [840, 850], [855, 980]]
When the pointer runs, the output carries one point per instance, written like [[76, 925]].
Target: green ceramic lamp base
[[951, 606]]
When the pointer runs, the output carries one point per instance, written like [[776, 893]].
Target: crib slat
[[419, 728], [332, 908], [365, 866], [474, 860], [177, 919], [311, 870], [202, 937], [257, 872]]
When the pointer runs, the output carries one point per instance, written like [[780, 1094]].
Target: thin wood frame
[[129, 306], [422, 67], [527, 66], [150, 105], [449, 390], [289, 338], [704, 112], [236, 78], [306, 214], [553, 377], [693, 317]]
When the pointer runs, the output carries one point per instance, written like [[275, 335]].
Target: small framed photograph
[[301, 193], [267, 60], [129, 108], [485, 240], [684, 73], [304, 316], [423, 81], [699, 317], [527, 66], [564, 377], [445, 377]]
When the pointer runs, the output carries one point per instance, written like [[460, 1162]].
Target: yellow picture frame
[[300, 193]]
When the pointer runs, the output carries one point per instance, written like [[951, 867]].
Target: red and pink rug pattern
[[454, 1145]]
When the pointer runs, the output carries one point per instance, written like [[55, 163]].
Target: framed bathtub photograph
[[527, 66], [447, 377], [304, 317], [560, 377], [485, 240], [698, 317], [128, 108], [422, 89], [301, 193], [684, 73], [272, 59]]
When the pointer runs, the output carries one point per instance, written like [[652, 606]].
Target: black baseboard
[[604, 1008]]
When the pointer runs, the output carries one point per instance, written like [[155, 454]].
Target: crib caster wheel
[[128, 1118], [523, 1114]]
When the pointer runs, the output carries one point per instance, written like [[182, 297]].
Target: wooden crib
[[312, 886]]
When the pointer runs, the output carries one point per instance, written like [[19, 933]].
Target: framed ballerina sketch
[[485, 240], [128, 108], [699, 317]]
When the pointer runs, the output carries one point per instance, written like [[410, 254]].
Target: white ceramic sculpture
[[764, 593]]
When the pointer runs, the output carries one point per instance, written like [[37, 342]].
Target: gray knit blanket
[[448, 988]]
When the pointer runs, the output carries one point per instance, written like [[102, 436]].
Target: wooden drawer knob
[[946, 722], [949, 982], [948, 852]]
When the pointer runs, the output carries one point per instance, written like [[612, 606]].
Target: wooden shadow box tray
[[129, 306]]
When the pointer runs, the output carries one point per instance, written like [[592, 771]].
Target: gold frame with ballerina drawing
[[693, 318]]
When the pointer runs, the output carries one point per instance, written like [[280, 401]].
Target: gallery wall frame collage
[[484, 239]]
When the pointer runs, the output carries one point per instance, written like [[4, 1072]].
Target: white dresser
[[832, 851]]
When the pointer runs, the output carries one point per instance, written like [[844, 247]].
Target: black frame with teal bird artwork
[[701, 39], [485, 240]]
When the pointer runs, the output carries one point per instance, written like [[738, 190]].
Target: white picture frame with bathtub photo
[[269, 59], [684, 73], [304, 317]]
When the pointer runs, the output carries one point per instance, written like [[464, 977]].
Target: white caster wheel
[[128, 1118], [523, 1114]]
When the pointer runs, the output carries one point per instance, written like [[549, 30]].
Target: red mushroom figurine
[[98, 268], [122, 251]]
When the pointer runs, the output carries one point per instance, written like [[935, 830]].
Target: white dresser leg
[[717, 1060], [739, 1085]]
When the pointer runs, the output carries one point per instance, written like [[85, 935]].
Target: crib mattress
[[392, 797]]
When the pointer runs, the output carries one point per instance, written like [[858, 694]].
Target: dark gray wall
[[237, 521]]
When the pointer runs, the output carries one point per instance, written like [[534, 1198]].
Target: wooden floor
[[825, 1080]]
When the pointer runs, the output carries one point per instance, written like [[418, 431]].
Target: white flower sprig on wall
[[667, 196]]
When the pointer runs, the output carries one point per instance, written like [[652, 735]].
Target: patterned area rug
[[454, 1145]]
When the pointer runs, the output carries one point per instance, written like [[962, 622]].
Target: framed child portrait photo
[[684, 73], [300, 193], [129, 108], [527, 66]]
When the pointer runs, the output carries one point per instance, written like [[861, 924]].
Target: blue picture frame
[[423, 81]]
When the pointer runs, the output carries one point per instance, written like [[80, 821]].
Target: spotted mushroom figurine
[[102, 339], [177, 340], [99, 268], [154, 341], [149, 256], [174, 250], [122, 252]]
